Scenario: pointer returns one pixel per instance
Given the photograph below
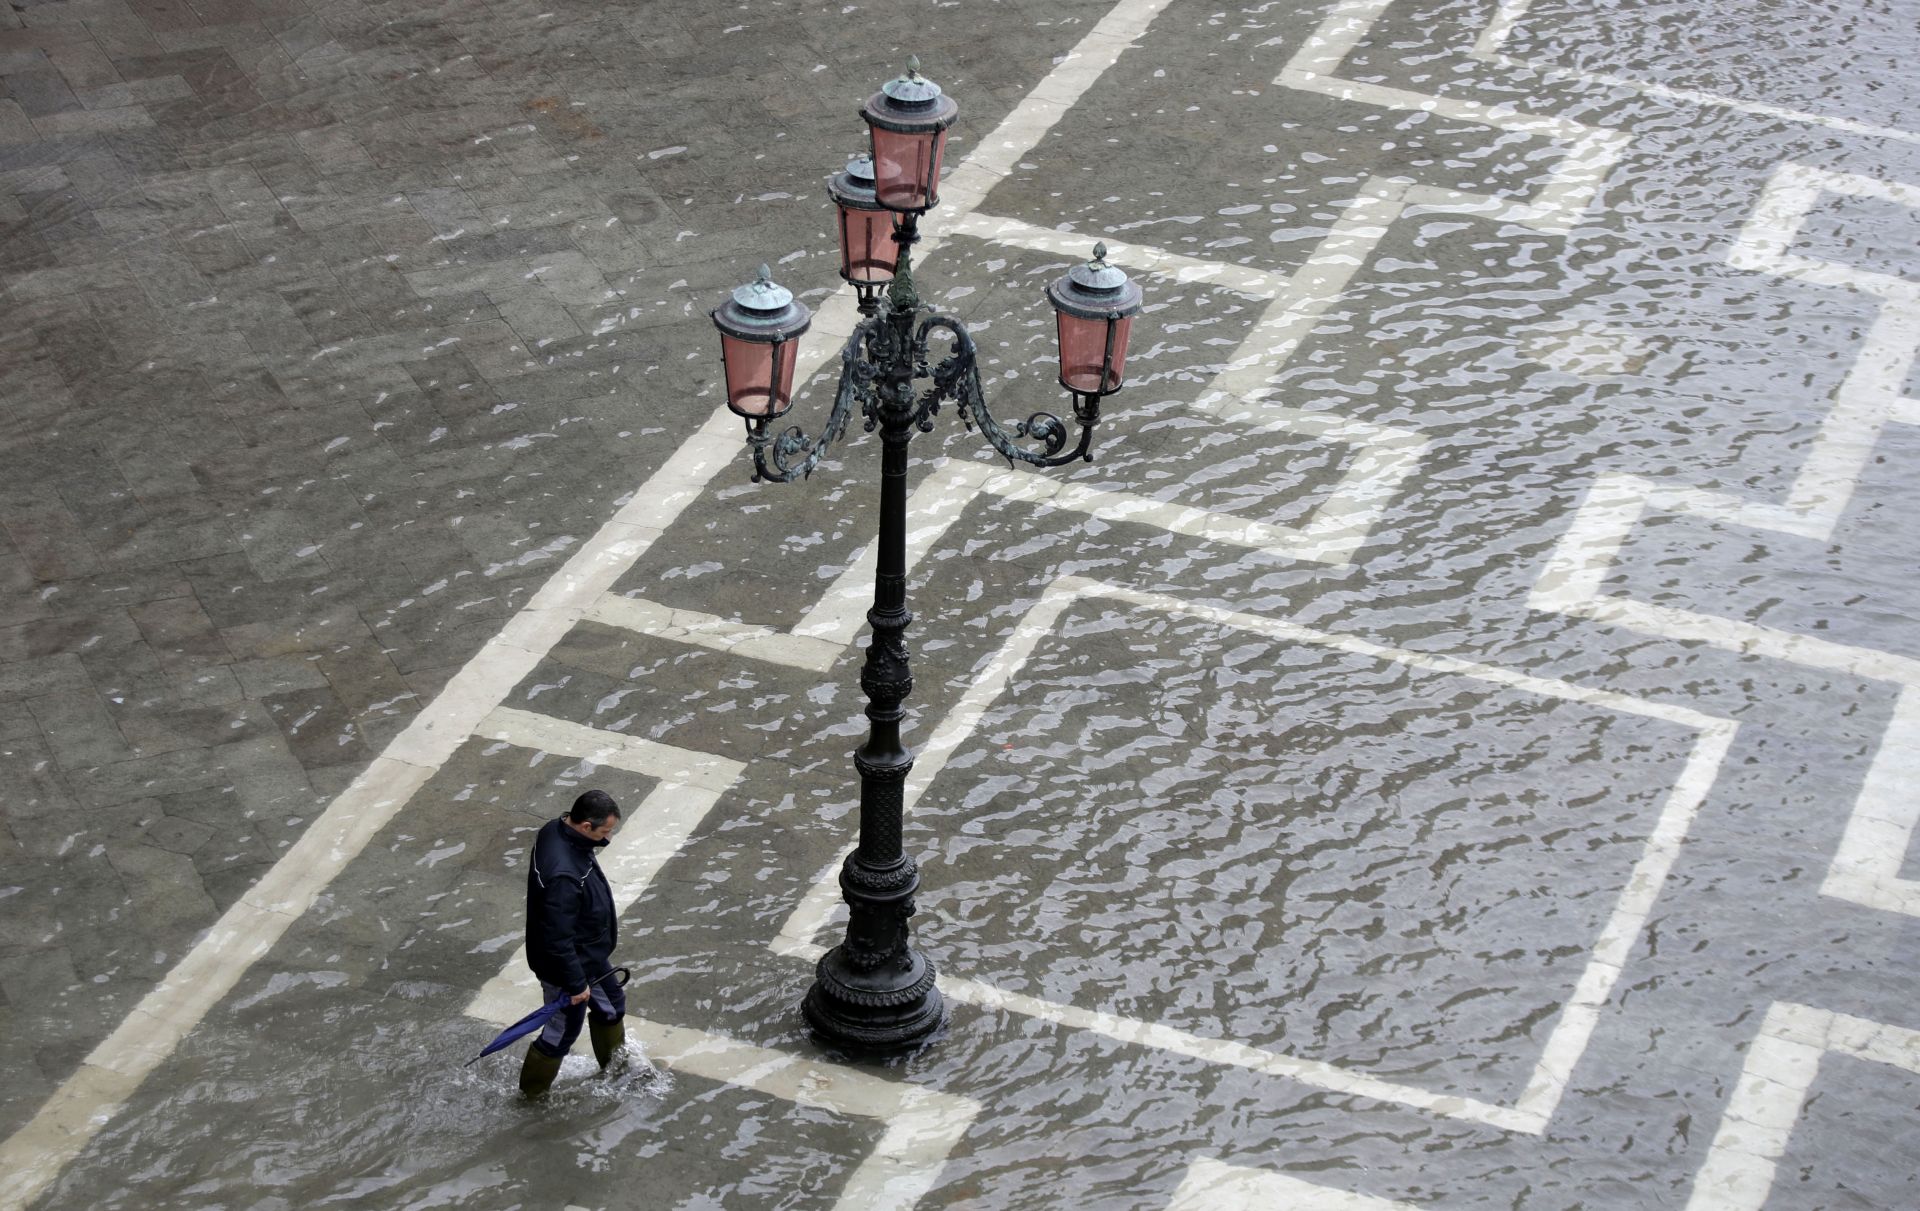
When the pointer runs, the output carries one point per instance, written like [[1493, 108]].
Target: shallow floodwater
[[1333, 867]]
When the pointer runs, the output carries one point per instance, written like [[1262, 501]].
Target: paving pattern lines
[[1559, 202], [1238, 393], [33, 1156], [1768, 1098], [89, 1098], [1880, 831], [922, 1125], [800, 935], [1512, 12], [1214, 1185], [1337, 529]]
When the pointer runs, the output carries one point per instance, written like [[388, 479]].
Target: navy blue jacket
[[571, 925]]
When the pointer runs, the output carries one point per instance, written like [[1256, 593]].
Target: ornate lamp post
[[874, 990]]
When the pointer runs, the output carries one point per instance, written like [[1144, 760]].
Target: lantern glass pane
[[759, 376], [1083, 350], [906, 167], [867, 250]]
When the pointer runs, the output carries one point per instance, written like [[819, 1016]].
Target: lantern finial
[[1100, 252], [766, 274], [913, 65]]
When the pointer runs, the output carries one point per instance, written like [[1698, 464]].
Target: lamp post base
[[873, 1010]]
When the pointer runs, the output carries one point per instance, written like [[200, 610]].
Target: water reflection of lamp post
[[874, 990]]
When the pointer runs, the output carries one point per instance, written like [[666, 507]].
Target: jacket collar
[[572, 834]]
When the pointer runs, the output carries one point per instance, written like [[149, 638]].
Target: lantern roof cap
[[1096, 290], [1097, 274], [763, 311], [854, 184], [910, 87], [910, 104], [763, 294], [860, 168]]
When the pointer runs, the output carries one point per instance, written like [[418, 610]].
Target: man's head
[[595, 815]]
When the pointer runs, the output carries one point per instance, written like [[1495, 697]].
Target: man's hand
[[580, 996]]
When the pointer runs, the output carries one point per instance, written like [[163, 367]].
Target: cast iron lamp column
[[875, 991]]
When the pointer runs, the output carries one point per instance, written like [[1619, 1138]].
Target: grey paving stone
[[111, 590], [74, 634], [128, 673], [17, 722], [169, 727], [31, 978], [40, 93], [37, 790], [277, 636], [181, 633], [319, 729], [362, 677], [187, 770], [22, 59], [20, 599], [278, 674], [161, 886], [80, 731], [50, 539]]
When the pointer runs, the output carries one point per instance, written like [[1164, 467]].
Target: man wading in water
[[571, 930]]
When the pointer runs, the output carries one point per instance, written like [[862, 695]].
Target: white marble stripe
[[1879, 834], [1213, 1185], [1331, 535], [936, 503], [919, 1126], [1226, 1052], [1875, 1042], [528, 729], [1240, 393], [1767, 1100], [1027, 123], [1158, 1037], [748, 640], [1750, 639], [1137, 258], [1865, 402], [1566, 195], [1511, 12], [1625, 925], [1497, 31], [1280, 628]]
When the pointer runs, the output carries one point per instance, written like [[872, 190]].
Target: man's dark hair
[[593, 808]]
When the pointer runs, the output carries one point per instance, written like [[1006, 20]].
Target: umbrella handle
[[625, 974]]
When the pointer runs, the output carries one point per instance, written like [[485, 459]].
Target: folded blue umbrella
[[538, 1018], [522, 1028]]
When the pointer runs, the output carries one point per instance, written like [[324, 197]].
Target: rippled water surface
[[1352, 878]]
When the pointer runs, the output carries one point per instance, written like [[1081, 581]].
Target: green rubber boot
[[608, 1038], [537, 1072]]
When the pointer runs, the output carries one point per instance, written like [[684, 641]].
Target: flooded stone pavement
[[1449, 750]]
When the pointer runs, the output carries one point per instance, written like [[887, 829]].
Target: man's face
[[600, 831], [603, 830]]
